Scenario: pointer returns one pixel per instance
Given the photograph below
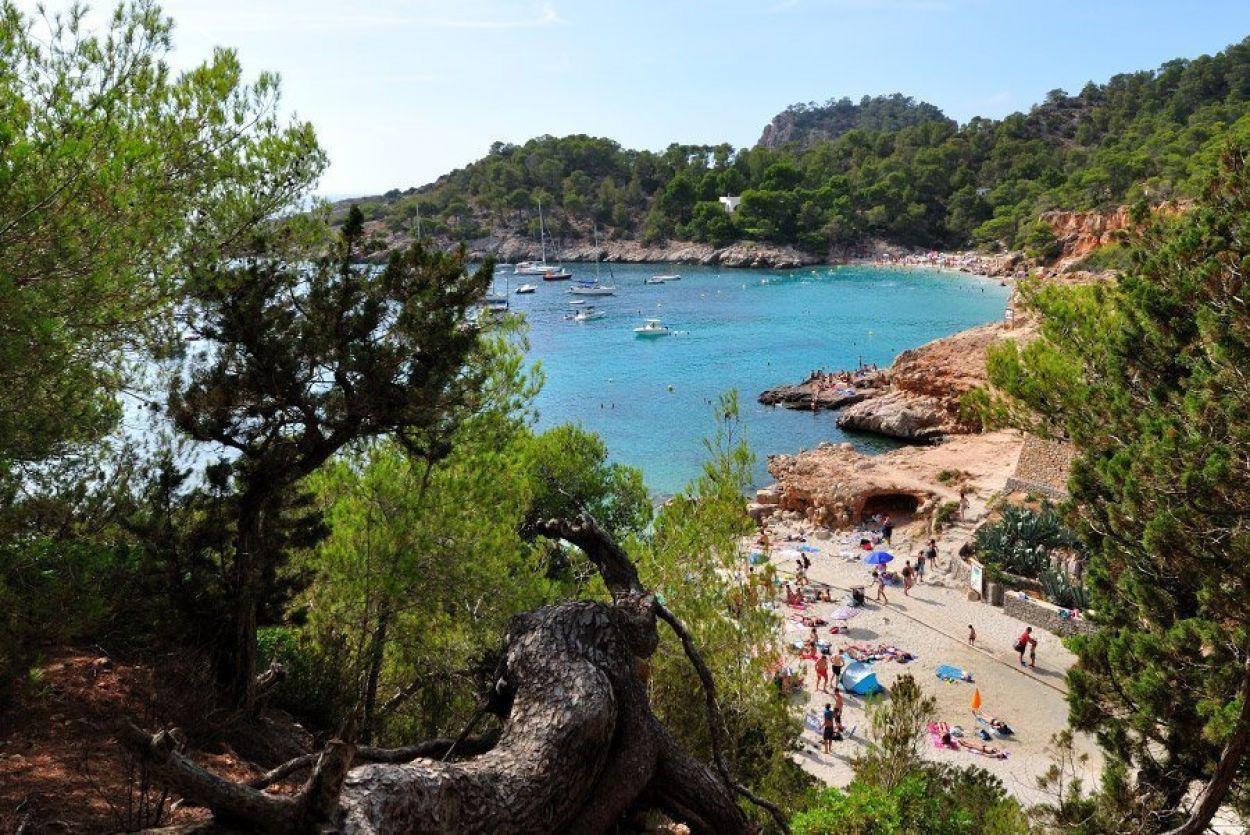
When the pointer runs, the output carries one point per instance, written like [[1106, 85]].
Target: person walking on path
[[963, 505], [908, 573], [822, 674], [972, 636], [930, 553], [920, 563], [1027, 641], [879, 580]]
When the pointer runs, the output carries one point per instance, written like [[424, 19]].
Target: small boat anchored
[[526, 289], [586, 287], [652, 328], [660, 279], [588, 313]]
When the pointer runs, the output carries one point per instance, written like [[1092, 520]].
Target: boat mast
[[594, 228], [542, 233]]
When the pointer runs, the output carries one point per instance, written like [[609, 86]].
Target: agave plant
[[1023, 540], [1062, 591]]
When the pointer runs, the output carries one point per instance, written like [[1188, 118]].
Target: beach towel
[[936, 730], [948, 673], [809, 549], [813, 722]]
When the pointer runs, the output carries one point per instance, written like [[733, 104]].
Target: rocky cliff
[[510, 247], [1080, 233]]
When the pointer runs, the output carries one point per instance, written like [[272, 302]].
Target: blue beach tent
[[858, 678]]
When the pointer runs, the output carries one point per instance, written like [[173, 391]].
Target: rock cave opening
[[901, 506]]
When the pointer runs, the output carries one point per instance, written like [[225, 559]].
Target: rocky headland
[[918, 398]]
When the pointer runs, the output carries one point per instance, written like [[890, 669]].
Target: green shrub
[[1023, 540], [944, 515], [316, 689], [1063, 592]]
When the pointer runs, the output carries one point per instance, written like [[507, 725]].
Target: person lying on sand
[[983, 749]]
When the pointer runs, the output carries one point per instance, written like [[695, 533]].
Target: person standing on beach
[[835, 667], [963, 505], [1026, 641], [879, 580], [930, 553], [822, 674], [972, 636], [826, 734], [837, 709], [887, 529], [908, 572], [920, 563]]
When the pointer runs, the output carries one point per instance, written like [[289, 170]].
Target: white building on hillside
[[730, 203]]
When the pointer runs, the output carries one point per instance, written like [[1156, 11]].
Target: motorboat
[[587, 313], [557, 274], [660, 279], [655, 279], [526, 289], [652, 327]]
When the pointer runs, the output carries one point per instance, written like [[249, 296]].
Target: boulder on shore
[[897, 415]]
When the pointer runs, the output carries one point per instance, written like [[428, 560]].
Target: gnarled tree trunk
[[580, 747]]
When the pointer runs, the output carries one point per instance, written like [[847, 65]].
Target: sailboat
[[548, 272], [594, 288]]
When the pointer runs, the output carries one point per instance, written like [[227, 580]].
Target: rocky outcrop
[[927, 385], [897, 415], [810, 397], [836, 486]]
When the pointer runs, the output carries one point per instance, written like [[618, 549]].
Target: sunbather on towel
[[994, 723], [982, 749]]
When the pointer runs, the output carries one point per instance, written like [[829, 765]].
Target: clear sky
[[401, 92]]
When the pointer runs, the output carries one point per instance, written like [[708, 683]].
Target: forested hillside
[[901, 172]]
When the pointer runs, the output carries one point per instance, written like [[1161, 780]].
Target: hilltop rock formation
[[807, 124]]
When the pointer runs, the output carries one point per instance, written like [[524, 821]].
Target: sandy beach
[[932, 623]]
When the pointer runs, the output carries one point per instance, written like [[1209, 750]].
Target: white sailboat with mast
[[542, 268], [594, 288]]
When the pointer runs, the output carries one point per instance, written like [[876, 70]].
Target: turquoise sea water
[[733, 329]]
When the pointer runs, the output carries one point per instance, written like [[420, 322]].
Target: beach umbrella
[[878, 558], [844, 613], [976, 699]]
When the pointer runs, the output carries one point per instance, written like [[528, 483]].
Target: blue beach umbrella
[[878, 558]]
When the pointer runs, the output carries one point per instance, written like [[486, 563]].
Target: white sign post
[[976, 577]]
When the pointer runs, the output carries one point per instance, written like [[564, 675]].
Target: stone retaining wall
[[1045, 615], [1043, 468]]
